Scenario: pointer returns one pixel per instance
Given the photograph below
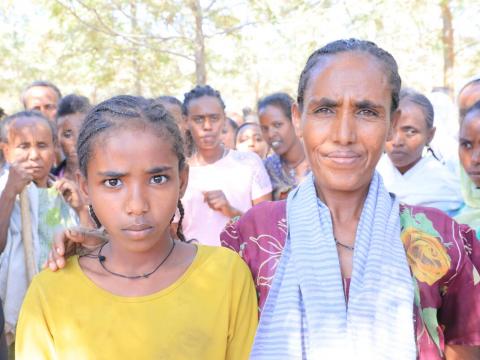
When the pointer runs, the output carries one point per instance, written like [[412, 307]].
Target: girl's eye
[[158, 179], [67, 134], [411, 132], [466, 145], [112, 183]]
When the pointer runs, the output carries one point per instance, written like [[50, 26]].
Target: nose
[[207, 124], [344, 128], [476, 155], [33, 153], [137, 201], [397, 138]]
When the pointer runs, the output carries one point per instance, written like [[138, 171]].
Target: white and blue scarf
[[306, 315]]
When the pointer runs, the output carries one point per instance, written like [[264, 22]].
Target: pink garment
[[242, 178]]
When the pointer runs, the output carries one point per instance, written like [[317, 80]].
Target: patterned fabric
[[282, 182], [441, 254], [381, 292]]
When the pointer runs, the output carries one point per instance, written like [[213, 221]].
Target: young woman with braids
[[141, 294], [410, 168], [222, 183]]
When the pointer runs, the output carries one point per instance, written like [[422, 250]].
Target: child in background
[[71, 113], [249, 138], [28, 140], [141, 295], [228, 133]]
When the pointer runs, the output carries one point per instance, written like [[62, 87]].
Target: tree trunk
[[448, 45], [199, 45], [136, 53]]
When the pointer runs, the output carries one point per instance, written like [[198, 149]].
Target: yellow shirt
[[209, 313]]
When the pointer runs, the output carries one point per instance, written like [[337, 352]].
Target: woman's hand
[[217, 201], [67, 242]]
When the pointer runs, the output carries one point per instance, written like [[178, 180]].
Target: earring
[[94, 217]]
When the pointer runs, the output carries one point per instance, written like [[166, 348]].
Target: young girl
[[141, 295], [223, 183], [288, 165], [415, 178], [29, 140], [249, 138]]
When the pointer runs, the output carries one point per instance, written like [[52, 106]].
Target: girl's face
[[345, 120], [409, 136], [31, 140], [206, 120], [228, 136], [134, 185], [277, 129], [68, 130], [469, 149], [250, 139]]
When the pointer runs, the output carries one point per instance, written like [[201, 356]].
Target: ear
[[6, 151], [393, 121], [297, 120], [431, 134], [82, 184], [184, 179]]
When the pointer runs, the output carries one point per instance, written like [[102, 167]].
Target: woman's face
[[250, 138], [206, 120], [68, 130], [410, 134], [469, 146], [345, 120], [277, 129]]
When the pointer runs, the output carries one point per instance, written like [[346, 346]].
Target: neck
[[71, 166], [209, 156], [345, 207], [41, 183], [127, 262], [295, 155]]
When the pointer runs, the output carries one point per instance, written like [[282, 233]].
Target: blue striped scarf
[[306, 315]]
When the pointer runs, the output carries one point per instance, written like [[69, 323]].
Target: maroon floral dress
[[441, 254]]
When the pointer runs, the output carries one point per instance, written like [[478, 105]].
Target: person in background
[[415, 178], [42, 96], [222, 183], [288, 165], [469, 154], [2, 157], [249, 138], [71, 113], [469, 94], [28, 140], [228, 133], [174, 107]]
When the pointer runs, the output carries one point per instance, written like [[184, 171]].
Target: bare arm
[[461, 352]]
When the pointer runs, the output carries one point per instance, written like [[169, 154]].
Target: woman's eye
[[112, 183], [411, 132], [158, 179]]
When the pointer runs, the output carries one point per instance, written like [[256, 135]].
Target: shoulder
[[272, 160], [49, 281], [265, 213], [221, 260]]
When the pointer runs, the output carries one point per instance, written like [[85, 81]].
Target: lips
[[343, 157], [276, 144], [138, 230]]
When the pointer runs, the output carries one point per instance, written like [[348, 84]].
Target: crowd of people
[[330, 225]]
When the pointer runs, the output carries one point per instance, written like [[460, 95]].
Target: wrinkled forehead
[[22, 128], [353, 75], [43, 93]]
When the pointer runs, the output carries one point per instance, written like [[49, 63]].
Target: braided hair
[[120, 111], [198, 92], [351, 45]]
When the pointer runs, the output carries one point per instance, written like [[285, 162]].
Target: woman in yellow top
[[141, 295]]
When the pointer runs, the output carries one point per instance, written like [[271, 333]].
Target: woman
[[469, 153], [249, 138], [356, 267], [415, 178], [288, 165], [222, 183]]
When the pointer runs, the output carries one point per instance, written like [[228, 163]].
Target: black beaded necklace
[[102, 258]]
